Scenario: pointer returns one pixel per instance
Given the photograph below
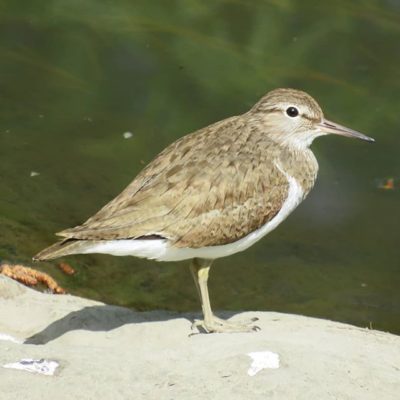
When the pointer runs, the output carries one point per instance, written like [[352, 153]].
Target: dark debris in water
[[388, 183], [30, 277]]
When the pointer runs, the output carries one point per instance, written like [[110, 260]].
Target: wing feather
[[212, 187]]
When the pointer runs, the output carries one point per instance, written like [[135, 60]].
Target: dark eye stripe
[[309, 118], [305, 116]]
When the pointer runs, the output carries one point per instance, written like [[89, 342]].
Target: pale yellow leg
[[200, 269]]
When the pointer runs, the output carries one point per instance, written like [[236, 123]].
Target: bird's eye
[[292, 112]]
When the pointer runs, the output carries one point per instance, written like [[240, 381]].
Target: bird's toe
[[218, 325]]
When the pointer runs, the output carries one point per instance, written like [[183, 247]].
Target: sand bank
[[108, 352]]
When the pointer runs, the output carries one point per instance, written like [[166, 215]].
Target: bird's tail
[[62, 248]]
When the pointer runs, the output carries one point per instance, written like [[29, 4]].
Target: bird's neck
[[298, 142], [300, 164]]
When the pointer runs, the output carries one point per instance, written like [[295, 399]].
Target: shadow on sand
[[100, 318]]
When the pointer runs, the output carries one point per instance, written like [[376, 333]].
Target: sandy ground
[[108, 352]]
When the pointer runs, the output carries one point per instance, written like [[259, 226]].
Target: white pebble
[[262, 360], [44, 367]]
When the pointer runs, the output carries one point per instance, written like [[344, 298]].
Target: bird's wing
[[212, 187]]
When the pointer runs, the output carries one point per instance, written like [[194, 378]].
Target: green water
[[74, 76]]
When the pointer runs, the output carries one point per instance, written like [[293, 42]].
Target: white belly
[[161, 250]]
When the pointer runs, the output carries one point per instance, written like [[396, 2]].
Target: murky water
[[76, 76]]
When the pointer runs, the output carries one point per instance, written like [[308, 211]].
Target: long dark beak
[[330, 127]]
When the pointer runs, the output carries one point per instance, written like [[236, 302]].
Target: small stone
[[262, 360], [42, 366]]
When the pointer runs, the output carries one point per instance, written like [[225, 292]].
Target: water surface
[[75, 76]]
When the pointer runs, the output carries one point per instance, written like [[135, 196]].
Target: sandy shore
[[108, 352]]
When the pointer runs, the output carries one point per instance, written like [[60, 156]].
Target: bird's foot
[[218, 325]]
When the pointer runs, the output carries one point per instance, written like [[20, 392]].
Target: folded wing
[[194, 194]]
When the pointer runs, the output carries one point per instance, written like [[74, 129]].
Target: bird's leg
[[200, 269]]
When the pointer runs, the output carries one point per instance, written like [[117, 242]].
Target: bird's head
[[293, 117]]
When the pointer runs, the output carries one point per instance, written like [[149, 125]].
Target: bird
[[213, 193]]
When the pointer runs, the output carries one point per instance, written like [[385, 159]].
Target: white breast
[[160, 249]]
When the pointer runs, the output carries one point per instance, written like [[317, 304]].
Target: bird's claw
[[218, 325]]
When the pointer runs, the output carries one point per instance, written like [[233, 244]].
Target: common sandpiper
[[213, 193]]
